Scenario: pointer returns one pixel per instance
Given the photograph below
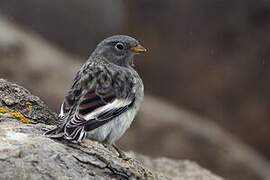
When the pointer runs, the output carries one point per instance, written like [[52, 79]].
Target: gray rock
[[175, 169], [170, 131], [26, 154], [17, 102]]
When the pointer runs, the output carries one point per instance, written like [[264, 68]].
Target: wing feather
[[93, 101]]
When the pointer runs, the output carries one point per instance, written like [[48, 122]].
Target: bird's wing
[[99, 102], [72, 96]]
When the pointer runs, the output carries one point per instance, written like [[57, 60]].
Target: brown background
[[210, 57]]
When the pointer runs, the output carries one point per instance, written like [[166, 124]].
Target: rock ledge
[[26, 154]]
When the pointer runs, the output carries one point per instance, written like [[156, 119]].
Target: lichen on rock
[[26, 154], [21, 104], [15, 114]]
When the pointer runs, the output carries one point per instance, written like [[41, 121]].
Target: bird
[[105, 95]]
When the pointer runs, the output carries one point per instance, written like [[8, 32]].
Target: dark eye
[[119, 46]]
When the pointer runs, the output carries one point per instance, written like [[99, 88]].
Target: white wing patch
[[117, 103], [61, 114]]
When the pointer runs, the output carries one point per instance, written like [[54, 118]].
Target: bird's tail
[[75, 135], [56, 133]]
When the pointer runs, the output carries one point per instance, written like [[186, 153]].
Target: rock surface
[[19, 103], [25, 153], [175, 169], [171, 131]]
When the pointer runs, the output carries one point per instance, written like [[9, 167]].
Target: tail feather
[[56, 133], [75, 134]]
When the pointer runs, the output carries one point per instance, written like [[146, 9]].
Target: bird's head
[[119, 49]]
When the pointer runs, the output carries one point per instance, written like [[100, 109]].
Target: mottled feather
[[105, 91]]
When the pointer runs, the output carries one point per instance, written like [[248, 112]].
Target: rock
[[162, 128], [26, 154], [176, 169], [17, 102]]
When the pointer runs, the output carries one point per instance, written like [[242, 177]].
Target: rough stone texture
[[215, 52], [16, 100], [180, 169], [161, 129], [25, 153]]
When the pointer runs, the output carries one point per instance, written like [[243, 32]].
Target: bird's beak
[[138, 49]]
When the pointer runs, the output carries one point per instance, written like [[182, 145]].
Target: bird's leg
[[120, 152]]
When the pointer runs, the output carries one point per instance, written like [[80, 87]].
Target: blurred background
[[206, 73]]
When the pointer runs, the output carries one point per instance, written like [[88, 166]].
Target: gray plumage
[[105, 95]]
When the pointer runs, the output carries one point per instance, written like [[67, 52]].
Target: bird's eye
[[119, 46]]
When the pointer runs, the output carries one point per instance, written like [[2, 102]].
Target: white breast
[[113, 130]]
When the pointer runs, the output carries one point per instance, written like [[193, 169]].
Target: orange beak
[[138, 49]]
